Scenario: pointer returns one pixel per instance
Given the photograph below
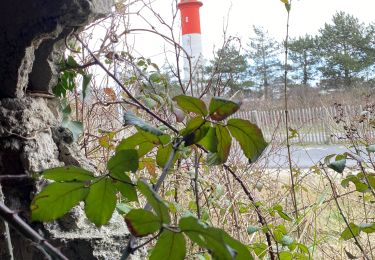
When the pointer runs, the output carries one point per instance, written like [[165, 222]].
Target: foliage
[[346, 47], [265, 65], [303, 53], [205, 125], [186, 128], [229, 68]]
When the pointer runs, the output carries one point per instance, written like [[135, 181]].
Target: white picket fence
[[313, 125]]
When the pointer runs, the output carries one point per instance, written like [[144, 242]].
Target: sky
[[306, 17]]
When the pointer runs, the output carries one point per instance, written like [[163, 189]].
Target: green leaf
[[160, 208], [125, 186], [191, 104], [123, 208], [304, 248], [68, 173], [71, 62], [101, 201], [195, 130], [210, 140], [224, 142], [221, 108], [156, 77], [242, 252], [252, 229], [170, 246], [260, 249], [285, 255], [131, 119], [370, 177], [346, 234], [85, 84], [338, 165], [143, 141], [75, 127], [279, 209], [66, 83], [123, 161], [249, 136], [142, 222], [360, 186], [163, 154], [207, 237], [56, 200], [367, 227]]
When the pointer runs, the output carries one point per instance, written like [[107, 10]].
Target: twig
[[366, 219], [261, 219], [22, 227], [9, 247], [325, 201], [234, 205], [196, 190], [20, 177], [133, 249], [130, 248], [333, 188], [293, 191], [148, 111]]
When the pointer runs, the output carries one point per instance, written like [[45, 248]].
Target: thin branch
[[261, 219], [5, 227], [131, 248], [143, 107], [293, 191], [20, 177], [196, 190], [335, 195], [22, 227]]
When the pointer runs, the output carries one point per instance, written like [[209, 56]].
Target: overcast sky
[[307, 16]]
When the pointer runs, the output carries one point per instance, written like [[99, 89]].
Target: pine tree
[[229, 69], [345, 46], [264, 53], [304, 55]]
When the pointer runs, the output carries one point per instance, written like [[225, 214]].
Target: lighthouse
[[191, 35]]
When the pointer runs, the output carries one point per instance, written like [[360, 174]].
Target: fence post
[[325, 118], [255, 116]]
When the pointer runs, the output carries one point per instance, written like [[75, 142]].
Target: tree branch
[[26, 231]]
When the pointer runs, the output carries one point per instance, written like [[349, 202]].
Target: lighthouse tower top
[[190, 20]]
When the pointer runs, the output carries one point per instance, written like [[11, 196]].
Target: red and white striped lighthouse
[[191, 34]]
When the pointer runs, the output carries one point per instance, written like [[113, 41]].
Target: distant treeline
[[342, 55]]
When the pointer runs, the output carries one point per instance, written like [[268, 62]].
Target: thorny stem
[[335, 195], [293, 191]]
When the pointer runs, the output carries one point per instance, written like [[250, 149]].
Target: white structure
[[191, 35]]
